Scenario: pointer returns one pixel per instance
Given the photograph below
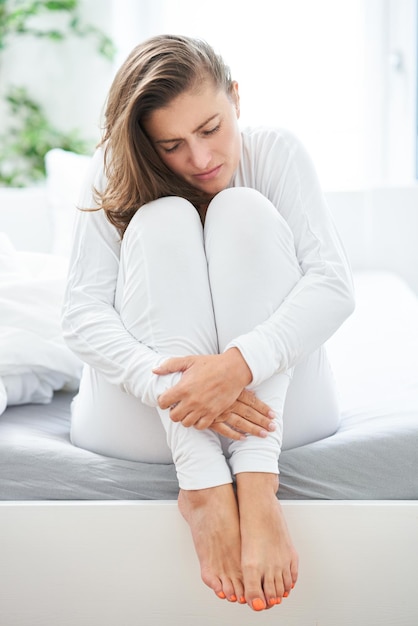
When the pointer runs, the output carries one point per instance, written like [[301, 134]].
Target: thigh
[[251, 259], [311, 410], [106, 420], [163, 294]]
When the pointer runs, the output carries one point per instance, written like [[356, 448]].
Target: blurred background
[[341, 74]]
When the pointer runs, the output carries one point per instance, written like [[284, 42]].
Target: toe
[[214, 583], [258, 604], [238, 594], [271, 590], [254, 593]]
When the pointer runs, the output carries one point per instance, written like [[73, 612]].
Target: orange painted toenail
[[233, 598], [278, 600], [242, 600], [272, 601], [286, 594], [258, 604], [221, 595], [293, 585]]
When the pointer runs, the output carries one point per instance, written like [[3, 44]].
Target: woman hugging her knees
[[206, 275]]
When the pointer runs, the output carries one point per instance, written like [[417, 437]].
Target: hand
[[247, 415], [209, 386]]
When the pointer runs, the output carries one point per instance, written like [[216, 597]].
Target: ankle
[[197, 498], [257, 483]]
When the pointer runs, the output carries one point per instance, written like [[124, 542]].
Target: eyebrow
[[195, 131]]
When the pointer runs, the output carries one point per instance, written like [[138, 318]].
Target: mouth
[[209, 174]]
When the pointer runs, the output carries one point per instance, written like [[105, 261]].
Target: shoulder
[[275, 151], [270, 150], [269, 156], [261, 139]]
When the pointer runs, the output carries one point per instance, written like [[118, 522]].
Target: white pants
[[183, 289]]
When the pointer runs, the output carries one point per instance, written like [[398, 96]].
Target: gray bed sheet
[[373, 457]]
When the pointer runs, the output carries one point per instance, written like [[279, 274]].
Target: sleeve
[[91, 325], [324, 296]]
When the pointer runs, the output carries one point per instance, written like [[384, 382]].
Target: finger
[[198, 421], [175, 364], [180, 412], [251, 400], [241, 410], [252, 417], [224, 429], [168, 400], [249, 427], [172, 397], [203, 422], [175, 416]]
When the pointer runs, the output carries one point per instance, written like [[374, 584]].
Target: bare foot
[[212, 515], [268, 559]]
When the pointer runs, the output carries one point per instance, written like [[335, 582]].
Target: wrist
[[239, 366]]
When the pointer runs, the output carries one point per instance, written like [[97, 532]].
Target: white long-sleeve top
[[276, 164]]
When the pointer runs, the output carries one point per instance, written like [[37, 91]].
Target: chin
[[215, 189]]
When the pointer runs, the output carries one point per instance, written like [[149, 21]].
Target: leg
[[171, 311], [311, 411], [252, 268], [164, 301]]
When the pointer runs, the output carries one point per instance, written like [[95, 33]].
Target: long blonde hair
[[155, 72]]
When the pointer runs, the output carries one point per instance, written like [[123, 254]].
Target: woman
[[203, 284]]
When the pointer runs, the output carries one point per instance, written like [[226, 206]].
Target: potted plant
[[30, 134]]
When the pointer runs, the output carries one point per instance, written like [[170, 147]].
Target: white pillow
[[26, 218], [34, 359], [65, 175]]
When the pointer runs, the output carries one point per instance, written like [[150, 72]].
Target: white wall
[[339, 73], [390, 107]]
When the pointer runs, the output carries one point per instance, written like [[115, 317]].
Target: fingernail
[[233, 598], [221, 595], [258, 604], [263, 433], [272, 426], [242, 600], [271, 414]]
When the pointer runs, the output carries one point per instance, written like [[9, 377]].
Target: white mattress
[[372, 456]]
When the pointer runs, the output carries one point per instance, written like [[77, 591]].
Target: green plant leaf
[[24, 144], [23, 149]]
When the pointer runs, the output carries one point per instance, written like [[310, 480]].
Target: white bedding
[[34, 361], [374, 354]]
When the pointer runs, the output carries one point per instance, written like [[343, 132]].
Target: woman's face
[[197, 136]]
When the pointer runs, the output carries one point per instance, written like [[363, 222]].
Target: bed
[[89, 540], [371, 457]]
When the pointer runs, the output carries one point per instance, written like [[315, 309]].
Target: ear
[[235, 96]]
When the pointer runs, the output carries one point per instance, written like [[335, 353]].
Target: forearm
[[314, 310]]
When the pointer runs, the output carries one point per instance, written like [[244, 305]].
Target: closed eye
[[205, 133], [172, 149], [212, 131]]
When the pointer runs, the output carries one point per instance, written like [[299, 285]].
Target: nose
[[200, 155]]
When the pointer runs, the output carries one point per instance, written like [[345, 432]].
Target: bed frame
[[132, 563]]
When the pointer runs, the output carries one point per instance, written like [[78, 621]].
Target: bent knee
[[240, 202], [169, 214]]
